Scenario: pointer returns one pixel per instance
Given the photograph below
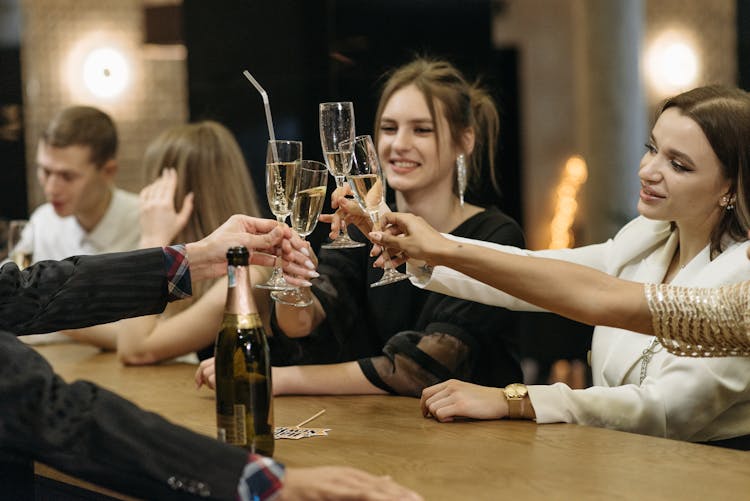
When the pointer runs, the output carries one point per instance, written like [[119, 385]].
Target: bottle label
[[231, 276], [239, 424], [232, 429]]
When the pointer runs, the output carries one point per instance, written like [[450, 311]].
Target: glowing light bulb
[[672, 64], [105, 72]]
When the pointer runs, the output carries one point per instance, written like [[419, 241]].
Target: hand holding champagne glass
[[308, 203], [367, 181], [282, 162], [337, 125]]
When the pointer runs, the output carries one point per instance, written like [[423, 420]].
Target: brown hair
[[83, 126], [465, 106], [723, 114], [209, 164]]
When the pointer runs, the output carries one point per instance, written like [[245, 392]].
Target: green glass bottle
[[244, 398]]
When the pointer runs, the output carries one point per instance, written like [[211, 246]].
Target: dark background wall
[[304, 53], [13, 201]]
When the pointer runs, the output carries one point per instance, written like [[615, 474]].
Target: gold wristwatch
[[516, 394]]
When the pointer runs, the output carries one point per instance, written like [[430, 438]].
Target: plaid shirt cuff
[[178, 272], [261, 479]]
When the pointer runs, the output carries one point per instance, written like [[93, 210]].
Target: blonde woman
[[433, 129], [200, 180]]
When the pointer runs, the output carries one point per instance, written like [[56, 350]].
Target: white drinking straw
[[267, 106]]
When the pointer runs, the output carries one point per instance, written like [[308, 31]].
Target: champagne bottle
[[244, 405]]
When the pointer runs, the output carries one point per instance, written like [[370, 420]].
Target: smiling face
[[408, 148], [681, 178]]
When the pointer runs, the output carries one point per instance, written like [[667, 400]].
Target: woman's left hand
[[160, 221], [206, 374], [453, 398]]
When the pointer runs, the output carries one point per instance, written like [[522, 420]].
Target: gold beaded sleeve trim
[[698, 322]]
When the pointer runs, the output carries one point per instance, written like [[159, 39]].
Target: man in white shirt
[[84, 213]]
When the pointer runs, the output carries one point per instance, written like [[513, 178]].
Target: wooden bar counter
[[469, 460]]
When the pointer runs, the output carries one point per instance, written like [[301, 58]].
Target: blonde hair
[[209, 164], [465, 106]]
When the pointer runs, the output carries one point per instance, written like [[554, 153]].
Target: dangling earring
[[728, 202], [461, 176]]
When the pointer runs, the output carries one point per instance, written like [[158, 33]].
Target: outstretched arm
[[575, 291], [333, 379]]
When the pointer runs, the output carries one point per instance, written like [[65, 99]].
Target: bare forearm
[[299, 322], [133, 339], [571, 290], [104, 336], [335, 379]]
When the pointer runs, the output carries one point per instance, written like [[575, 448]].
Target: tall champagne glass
[[20, 243], [308, 202], [367, 181], [337, 125], [282, 162]]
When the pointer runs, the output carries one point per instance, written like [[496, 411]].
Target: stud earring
[[461, 176]]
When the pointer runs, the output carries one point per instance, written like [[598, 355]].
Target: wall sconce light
[[671, 63], [106, 72]]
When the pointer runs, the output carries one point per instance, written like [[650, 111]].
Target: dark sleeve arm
[[82, 291], [91, 433], [340, 290]]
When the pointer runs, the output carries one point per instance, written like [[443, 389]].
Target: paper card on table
[[295, 433]]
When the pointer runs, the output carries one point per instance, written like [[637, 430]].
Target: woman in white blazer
[[692, 232]]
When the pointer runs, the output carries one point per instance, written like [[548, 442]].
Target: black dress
[[405, 338]]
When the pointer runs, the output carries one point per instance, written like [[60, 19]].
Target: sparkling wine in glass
[[306, 208], [282, 163], [20, 243], [337, 125], [367, 180]]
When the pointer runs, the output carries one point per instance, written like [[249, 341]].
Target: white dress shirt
[[54, 237]]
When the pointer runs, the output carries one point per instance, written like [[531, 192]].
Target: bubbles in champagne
[[339, 162], [280, 186], [368, 190], [307, 208]]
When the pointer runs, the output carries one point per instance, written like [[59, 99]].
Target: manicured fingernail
[[305, 283], [313, 274], [304, 251], [309, 264]]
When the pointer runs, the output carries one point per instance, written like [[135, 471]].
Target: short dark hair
[[83, 126]]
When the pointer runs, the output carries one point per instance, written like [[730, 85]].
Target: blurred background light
[[672, 63], [105, 72]]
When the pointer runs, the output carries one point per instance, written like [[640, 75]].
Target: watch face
[[515, 391]]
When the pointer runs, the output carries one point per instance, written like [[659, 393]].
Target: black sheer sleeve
[[342, 292], [455, 338]]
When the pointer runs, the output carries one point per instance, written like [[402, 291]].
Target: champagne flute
[[367, 181], [282, 162], [308, 203], [337, 125], [20, 245]]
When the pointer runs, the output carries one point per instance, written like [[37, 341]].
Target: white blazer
[[696, 399]]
